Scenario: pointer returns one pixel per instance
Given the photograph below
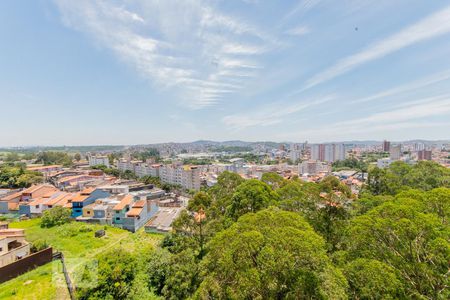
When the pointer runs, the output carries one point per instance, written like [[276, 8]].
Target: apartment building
[[186, 176], [97, 160], [328, 152]]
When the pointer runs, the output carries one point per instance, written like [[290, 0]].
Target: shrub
[[55, 217]]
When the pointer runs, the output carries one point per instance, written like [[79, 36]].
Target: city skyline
[[143, 72]]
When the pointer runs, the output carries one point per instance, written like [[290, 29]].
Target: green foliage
[[39, 245], [425, 175], [16, 176], [55, 216], [201, 200], [116, 273], [267, 255], [54, 158], [402, 235], [371, 279], [251, 196], [273, 180], [331, 184], [349, 163], [150, 180]]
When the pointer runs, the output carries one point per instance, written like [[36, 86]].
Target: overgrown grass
[[45, 282], [79, 246]]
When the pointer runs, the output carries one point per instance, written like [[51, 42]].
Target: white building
[[328, 152], [396, 152], [295, 155], [384, 162], [97, 160], [186, 176], [312, 167]]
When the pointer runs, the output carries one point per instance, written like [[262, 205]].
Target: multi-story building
[[186, 176], [312, 167], [386, 146], [424, 155], [97, 160], [295, 155], [328, 152], [395, 152]]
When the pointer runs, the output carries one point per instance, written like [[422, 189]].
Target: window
[[88, 212], [117, 218]]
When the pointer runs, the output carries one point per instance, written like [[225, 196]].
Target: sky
[[116, 72]]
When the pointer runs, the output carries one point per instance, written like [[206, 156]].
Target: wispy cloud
[[409, 87], [298, 31], [187, 46], [270, 114], [432, 26]]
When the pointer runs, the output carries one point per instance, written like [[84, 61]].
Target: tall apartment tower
[[386, 146], [396, 152], [424, 154], [328, 152]]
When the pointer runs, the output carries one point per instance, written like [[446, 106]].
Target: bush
[[85, 228], [55, 217], [39, 245]]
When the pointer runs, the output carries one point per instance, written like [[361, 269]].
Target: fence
[[25, 264]]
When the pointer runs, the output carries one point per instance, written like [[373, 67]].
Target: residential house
[[13, 246], [84, 198]]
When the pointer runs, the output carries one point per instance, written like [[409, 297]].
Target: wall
[[26, 264]]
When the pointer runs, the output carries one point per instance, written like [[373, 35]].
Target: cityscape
[[212, 149]]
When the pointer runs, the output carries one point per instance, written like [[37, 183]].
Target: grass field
[[79, 246]]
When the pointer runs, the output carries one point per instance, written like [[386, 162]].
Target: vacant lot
[[77, 242]]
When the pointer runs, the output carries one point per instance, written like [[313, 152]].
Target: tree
[[55, 216], [274, 180], [227, 183], [251, 196], [77, 156], [371, 279], [438, 202], [201, 200], [116, 273], [272, 254], [402, 235]]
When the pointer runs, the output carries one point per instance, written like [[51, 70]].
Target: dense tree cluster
[[288, 239], [17, 176], [54, 158]]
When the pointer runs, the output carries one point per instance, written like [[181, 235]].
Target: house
[[13, 246], [12, 202], [138, 215], [101, 211], [121, 209], [45, 170], [84, 198]]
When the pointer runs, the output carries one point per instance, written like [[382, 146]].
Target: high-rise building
[[396, 152], [424, 155], [328, 152], [386, 146]]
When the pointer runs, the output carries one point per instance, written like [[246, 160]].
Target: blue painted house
[[84, 198]]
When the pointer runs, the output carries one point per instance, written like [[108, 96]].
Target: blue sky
[[143, 71]]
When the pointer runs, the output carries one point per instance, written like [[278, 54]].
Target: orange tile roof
[[124, 202], [139, 204], [11, 196], [134, 212], [87, 191], [79, 198], [43, 167], [37, 201], [58, 198]]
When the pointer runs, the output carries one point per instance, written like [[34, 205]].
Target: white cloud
[[270, 114], [298, 31], [412, 86], [432, 26], [187, 45]]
